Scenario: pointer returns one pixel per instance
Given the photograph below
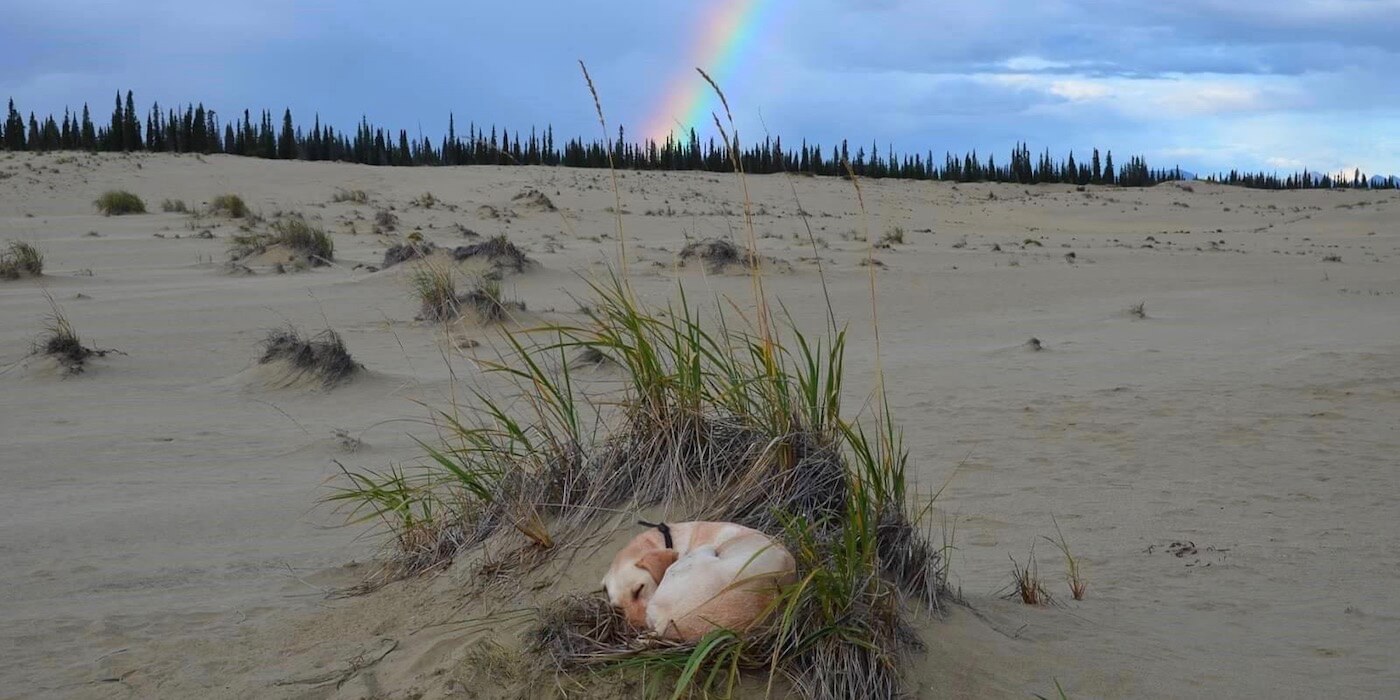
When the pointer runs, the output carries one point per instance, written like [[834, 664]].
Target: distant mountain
[[1390, 181]]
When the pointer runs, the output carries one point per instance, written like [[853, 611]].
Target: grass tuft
[[118, 202], [321, 357], [60, 342], [19, 258], [499, 251], [230, 205], [716, 253], [1077, 584], [1026, 584], [174, 206], [294, 233]]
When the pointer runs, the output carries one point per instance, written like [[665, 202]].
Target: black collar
[[664, 528]]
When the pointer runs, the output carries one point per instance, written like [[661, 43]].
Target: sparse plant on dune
[[230, 205], [1138, 310], [118, 202], [19, 258], [61, 343], [294, 233], [435, 287], [321, 357], [176, 206], [1026, 584], [1077, 585]]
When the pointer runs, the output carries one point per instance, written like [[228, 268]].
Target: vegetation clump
[[230, 205], [412, 250], [499, 251], [18, 259], [716, 253], [321, 358], [435, 287], [295, 234], [61, 343], [118, 202], [176, 206], [737, 424]]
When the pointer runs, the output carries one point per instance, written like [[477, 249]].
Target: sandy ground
[[159, 533]]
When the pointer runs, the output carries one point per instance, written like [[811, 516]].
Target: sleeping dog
[[684, 579]]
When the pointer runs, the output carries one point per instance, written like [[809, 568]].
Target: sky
[[1203, 84]]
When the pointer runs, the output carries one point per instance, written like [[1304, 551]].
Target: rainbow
[[725, 34]]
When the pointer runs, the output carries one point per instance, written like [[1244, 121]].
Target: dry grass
[[1077, 584], [716, 253], [176, 206], [294, 233], [1026, 584], [499, 251], [352, 196], [118, 202], [321, 357], [19, 258], [60, 342], [230, 205]]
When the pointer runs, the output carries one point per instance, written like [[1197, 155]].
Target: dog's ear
[[657, 561]]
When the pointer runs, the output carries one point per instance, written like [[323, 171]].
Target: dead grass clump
[[230, 205], [716, 253], [385, 220], [176, 206], [118, 202], [1138, 310], [435, 287], [1026, 584], [501, 253], [403, 252], [533, 199], [294, 233], [892, 237], [426, 200], [321, 358], [62, 343], [18, 259]]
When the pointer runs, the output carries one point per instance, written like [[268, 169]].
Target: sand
[[159, 528]]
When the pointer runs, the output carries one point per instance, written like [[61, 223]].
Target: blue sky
[[1206, 84]]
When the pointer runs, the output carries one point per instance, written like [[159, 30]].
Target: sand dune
[[1224, 462]]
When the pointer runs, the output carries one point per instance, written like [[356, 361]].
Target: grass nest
[[499, 251], [716, 254], [18, 259], [717, 423], [321, 358]]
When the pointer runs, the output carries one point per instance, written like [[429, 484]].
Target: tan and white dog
[[684, 579]]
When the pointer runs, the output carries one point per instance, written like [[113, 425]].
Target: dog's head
[[633, 578]]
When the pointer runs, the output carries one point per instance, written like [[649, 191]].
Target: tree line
[[195, 129]]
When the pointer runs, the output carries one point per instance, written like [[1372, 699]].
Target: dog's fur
[[715, 575]]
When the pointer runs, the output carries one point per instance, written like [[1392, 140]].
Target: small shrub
[[716, 253], [425, 200], [1138, 310], [118, 202], [229, 204], [353, 196], [174, 206], [20, 258]]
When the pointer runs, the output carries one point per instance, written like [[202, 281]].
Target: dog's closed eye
[[637, 594]]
